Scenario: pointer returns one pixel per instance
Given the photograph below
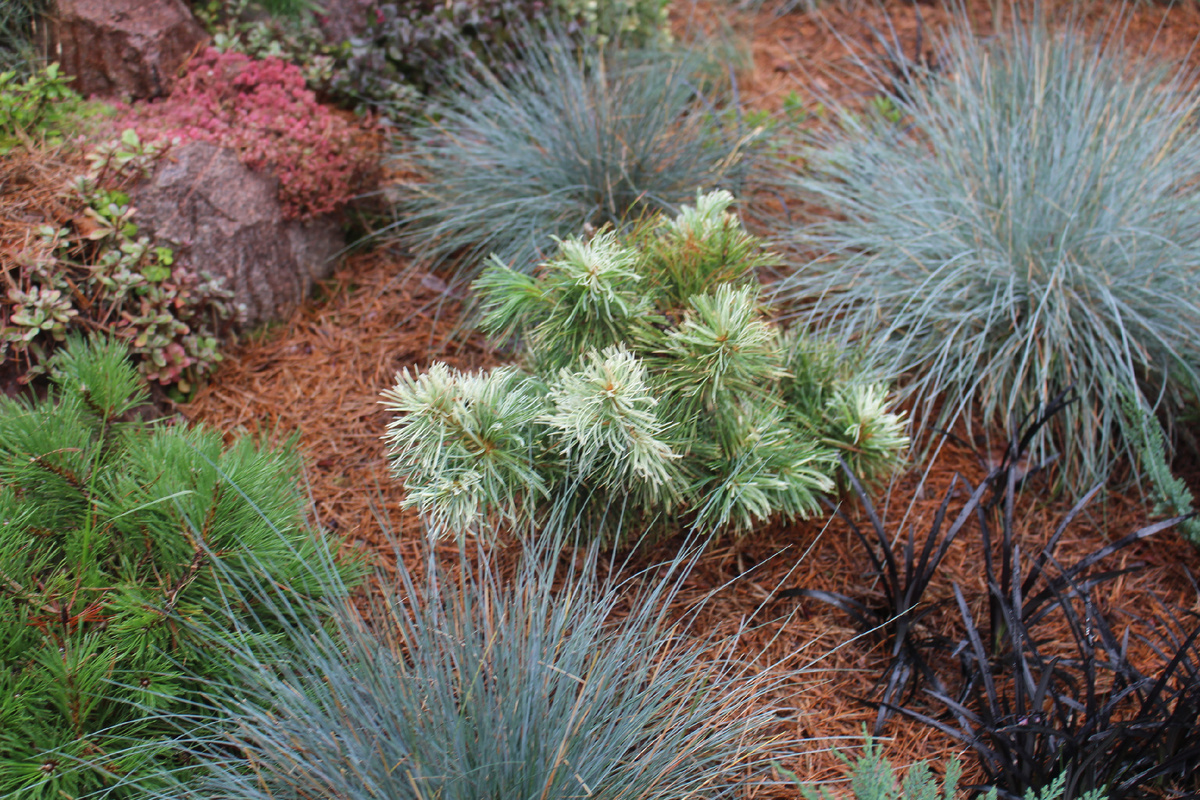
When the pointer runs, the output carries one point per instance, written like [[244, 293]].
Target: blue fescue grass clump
[[466, 679], [1032, 223], [573, 138]]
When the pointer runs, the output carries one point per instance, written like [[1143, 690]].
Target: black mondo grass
[[1090, 719], [905, 577], [898, 615], [1030, 221], [469, 682], [1036, 710], [572, 141]]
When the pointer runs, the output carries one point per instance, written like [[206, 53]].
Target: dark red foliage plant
[[263, 110]]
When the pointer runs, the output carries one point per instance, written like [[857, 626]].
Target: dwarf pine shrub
[[1033, 224], [649, 382], [110, 532]]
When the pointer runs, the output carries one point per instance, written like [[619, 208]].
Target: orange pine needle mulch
[[320, 374]]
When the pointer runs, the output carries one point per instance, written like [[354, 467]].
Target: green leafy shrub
[[469, 679], [570, 141], [403, 52], [109, 530], [96, 273], [872, 777], [630, 22], [239, 26], [410, 50], [1033, 224], [34, 107], [427, 44], [650, 382]]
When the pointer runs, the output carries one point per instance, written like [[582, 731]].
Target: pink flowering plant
[[95, 273], [263, 110]]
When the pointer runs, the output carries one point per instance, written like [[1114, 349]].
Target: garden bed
[[321, 373], [317, 378]]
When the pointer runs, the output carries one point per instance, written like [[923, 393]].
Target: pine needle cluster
[[110, 530], [650, 382]]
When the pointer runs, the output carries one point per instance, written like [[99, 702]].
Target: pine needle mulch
[[819, 55], [32, 183], [320, 374], [31, 187]]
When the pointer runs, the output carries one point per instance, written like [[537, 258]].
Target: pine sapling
[[115, 537], [650, 384]]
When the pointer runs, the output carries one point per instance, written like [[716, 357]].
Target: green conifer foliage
[[650, 384], [872, 777], [109, 528]]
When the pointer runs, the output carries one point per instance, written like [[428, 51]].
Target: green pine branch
[[650, 384]]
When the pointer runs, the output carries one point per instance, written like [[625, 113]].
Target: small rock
[[124, 48], [221, 217], [434, 283]]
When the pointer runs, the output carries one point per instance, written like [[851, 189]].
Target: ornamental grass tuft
[[576, 137], [1031, 222], [468, 679]]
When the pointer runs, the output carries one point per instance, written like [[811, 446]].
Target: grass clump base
[[650, 383], [576, 139], [467, 679], [1033, 224]]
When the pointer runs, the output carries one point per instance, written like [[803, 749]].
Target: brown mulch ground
[[321, 373], [819, 56]]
